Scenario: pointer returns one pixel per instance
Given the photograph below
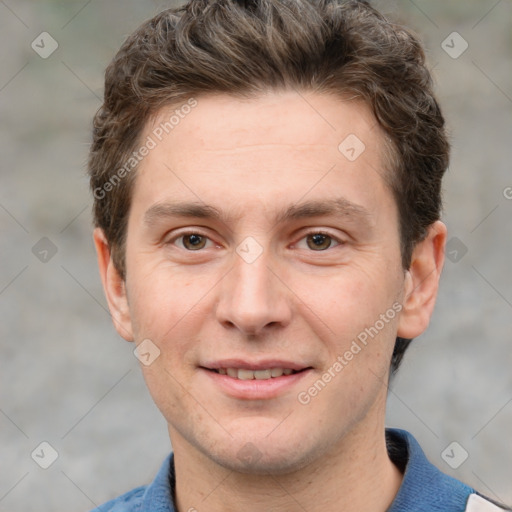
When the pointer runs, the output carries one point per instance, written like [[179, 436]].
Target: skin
[[251, 159]]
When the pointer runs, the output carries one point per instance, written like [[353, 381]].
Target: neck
[[356, 475]]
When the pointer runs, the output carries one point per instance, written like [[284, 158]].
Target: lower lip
[[255, 389]]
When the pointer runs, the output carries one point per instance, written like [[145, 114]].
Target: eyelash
[[324, 233], [309, 233]]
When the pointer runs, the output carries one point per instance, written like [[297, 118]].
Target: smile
[[246, 374], [260, 380]]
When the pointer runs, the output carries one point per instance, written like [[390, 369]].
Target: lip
[[254, 365], [254, 389]]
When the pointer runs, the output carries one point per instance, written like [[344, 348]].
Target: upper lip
[[254, 365]]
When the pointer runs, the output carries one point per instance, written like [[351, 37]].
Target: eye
[[191, 241], [319, 241]]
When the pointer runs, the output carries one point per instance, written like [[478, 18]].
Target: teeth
[[243, 374], [261, 374]]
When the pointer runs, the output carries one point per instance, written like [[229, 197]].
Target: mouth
[[248, 374], [255, 380]]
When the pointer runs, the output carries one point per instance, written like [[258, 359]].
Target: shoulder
[[128, 502]]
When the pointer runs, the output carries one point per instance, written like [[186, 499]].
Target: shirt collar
[[159, 495], [423, 484]]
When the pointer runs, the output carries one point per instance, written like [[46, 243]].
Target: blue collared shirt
[[424, 488]]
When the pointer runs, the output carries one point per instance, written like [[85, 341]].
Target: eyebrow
[[339, 207]]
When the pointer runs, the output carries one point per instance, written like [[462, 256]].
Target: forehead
[[225, 121], [258, 148]]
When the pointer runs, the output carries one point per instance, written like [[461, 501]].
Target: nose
[[253, 297]]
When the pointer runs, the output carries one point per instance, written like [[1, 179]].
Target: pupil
[[320, 241], [196, 241]]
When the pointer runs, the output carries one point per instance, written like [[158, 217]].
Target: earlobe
[[113, 286], [421, 282]]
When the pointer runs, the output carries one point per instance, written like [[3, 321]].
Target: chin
[[250, 460], [265, 456], [259, 445]]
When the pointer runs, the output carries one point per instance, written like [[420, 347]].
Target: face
[[263, 264]]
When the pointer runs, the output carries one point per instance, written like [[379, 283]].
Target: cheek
[[344, 304], [159, 291]]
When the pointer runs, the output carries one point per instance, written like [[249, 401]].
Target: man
[[267, 180]]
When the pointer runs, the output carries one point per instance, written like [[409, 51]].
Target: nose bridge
[[253, 278], [252, 297]]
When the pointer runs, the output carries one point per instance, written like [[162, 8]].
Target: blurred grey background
[[67, 379]]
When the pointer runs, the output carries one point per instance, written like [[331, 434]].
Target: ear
[[114, 287], [422, 282]]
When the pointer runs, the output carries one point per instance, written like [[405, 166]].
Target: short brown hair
[[246, 47]]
